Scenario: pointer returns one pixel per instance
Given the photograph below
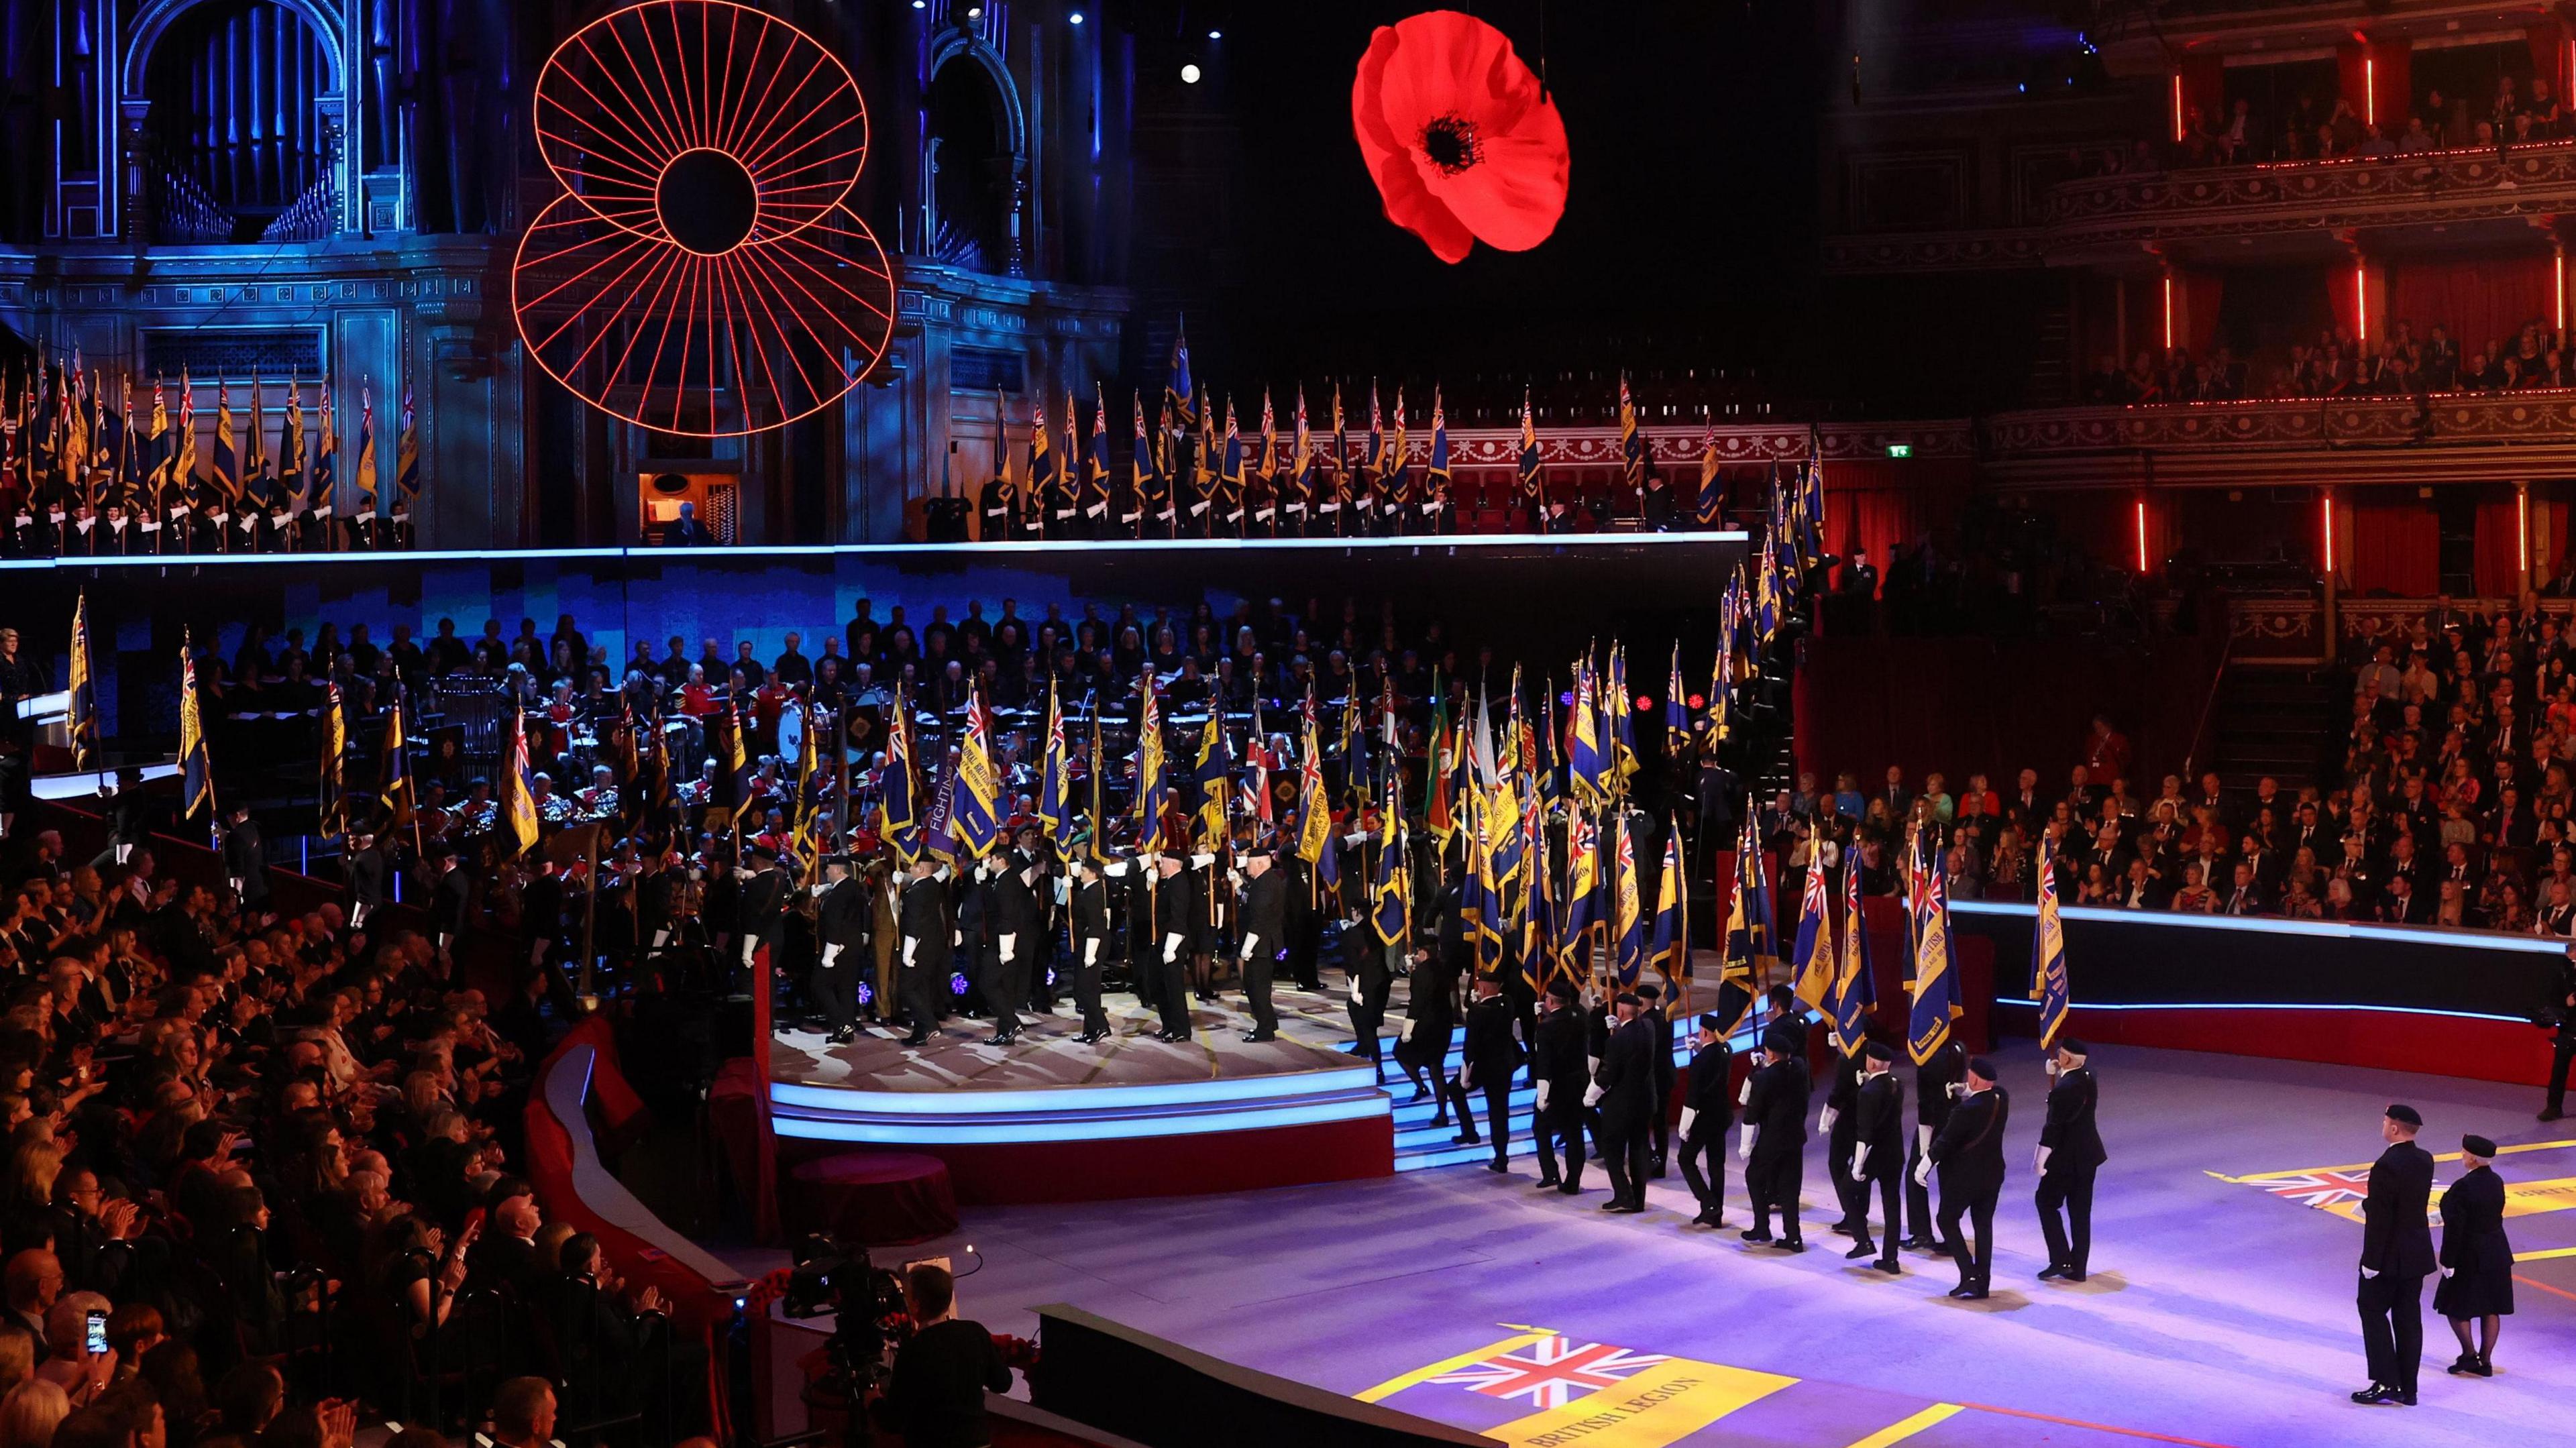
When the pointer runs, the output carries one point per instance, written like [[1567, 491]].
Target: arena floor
[[2220, 1310]]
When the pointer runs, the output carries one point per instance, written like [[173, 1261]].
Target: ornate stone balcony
[[2445, 437], [2438, 188]]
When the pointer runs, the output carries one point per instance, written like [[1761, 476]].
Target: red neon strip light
[[2177, 105], [2522, 526], [2142, 535], [2328, 501], [2369, 90], [2169, 341], [2361, 301]]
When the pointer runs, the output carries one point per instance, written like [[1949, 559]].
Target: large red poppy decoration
[[1463, 142]]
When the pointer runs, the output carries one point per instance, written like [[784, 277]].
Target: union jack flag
[[2326, 1190], [1552, 1371]]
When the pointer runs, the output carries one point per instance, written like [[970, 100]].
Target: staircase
[[2273, 720]]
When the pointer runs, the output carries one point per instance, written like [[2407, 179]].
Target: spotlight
[[920, 4], [1216, 35], [975, 12], [1075, 17], [1189, 75]]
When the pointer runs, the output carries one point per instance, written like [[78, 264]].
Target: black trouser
[[1918, 1196], [1709, 1146], [1773, 1180], [1661, 1124], [920, 986], [2070, 1244], [1623, 1155], [2392, 1327], [1171, 984], [835, 989], [1559, 1125], [2559, 1062], [1974, 1270], [1497, 1089], [1888, 1174], [1086, 996], [1368, 1017], [1840, 1145], [1256, 993], [1006, 985]]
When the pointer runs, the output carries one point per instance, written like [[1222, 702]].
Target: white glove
[[2039, 1161], [1542, 1095], [749, 944], [1922, 1140], [1860, 1164], [1201, 862], [1172, 946], [1592, 1094], [2369, 1272], [831, 956], [1091, 952], [909, 946], [1249, 941], [1744, 1147], [1744, 1097], [1009, 941], [1689, 1115], [1923, 1171], [1825, 1120], [2446, 1271]]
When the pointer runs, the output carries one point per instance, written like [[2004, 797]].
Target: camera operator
[[935, 1397], [2562, 1013]]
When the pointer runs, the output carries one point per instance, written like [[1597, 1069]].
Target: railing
[[2290, 422], [2208, 706], [2287, 628], [2534, 179]]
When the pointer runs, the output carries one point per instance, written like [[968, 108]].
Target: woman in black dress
[[2477, 1261]]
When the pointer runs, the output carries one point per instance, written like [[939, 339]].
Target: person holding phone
[[78, 1359]]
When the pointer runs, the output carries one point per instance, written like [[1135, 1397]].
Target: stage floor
[[1314, 1035], [2220, 1310]]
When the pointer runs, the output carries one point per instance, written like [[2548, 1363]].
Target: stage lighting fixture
[[974, 12], [1075, 18], [1189, 75], [1216, 35]]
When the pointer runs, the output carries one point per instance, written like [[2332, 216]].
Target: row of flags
[[1182, 446], [63, 437]]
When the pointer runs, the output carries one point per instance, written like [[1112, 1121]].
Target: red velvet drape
[[2499, 550], [1878, 503], [2396, 544], [2196, 298], [2482, 302]]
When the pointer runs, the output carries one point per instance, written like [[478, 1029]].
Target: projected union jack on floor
[[702, 272]]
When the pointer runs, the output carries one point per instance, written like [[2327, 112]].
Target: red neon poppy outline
[[648, 125]]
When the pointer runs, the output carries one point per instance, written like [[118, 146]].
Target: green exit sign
[[1900, 449]]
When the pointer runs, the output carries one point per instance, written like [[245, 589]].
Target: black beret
[[1627, 998], [1880, 1051], [1563, 989], [1647, 992], [2408, 1114], [2477, 1146], [1711, 1024], [1980, 1066], [1786, 1037], [2072, 1046]]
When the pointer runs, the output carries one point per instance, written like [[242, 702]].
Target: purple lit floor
[[2220, 1311]]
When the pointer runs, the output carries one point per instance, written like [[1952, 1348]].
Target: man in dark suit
[[1090, 920], [365, 869], [1019, 938], [2396, 1256], [1179, 904], [1970, 1155], [1624, 1089], [1775, 1131], [1878, 1152], [1563, 1073], [1489, 1057], [1839, 1127], [926, 949], [1938, 1084], [2070, 1153], [840, 918], [448, 897], [1708, 1108], [685, 531], [1265, 937], [1660, 1021], [246, 861]]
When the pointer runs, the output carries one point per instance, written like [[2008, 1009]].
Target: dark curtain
[[2396, 545]]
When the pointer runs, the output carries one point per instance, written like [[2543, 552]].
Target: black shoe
[[2073, 1274], [2485, 1367], [1888, 1266], [1845, 1228], [1571, 1189], [1866, 1248], [1549, 1181], [1497, 1167], [1755, 1235], [2551, 1114], [1792, 1244], [2052, 1270], [1612, 1205], [1629, 1209], [1918, 1243], [1420, 1093], [917, 1039], [2466, 1362], [842, 1037], [1468, 1138], [1656, 1169]]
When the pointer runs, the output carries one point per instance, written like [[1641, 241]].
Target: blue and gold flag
[[196, 767], [1669, 950], [1179, 393], [407, 451], [1153, 788], [1811, 958], [1435, 476], [975, 819], [333, 809], [1532, 469], [1314, 815], [519, 788], [1935, 980], [83, 717], [1750, 929], [1632, 442], [1677, 719], [1583, 755], [1712, 488], [394, 769], [227, 463], [1855, 992], [1627, 920], [1214, 777], [1042, 461], [366, 472], [1055, 791], [897, 822], [1390, 895], [2048, 984]]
